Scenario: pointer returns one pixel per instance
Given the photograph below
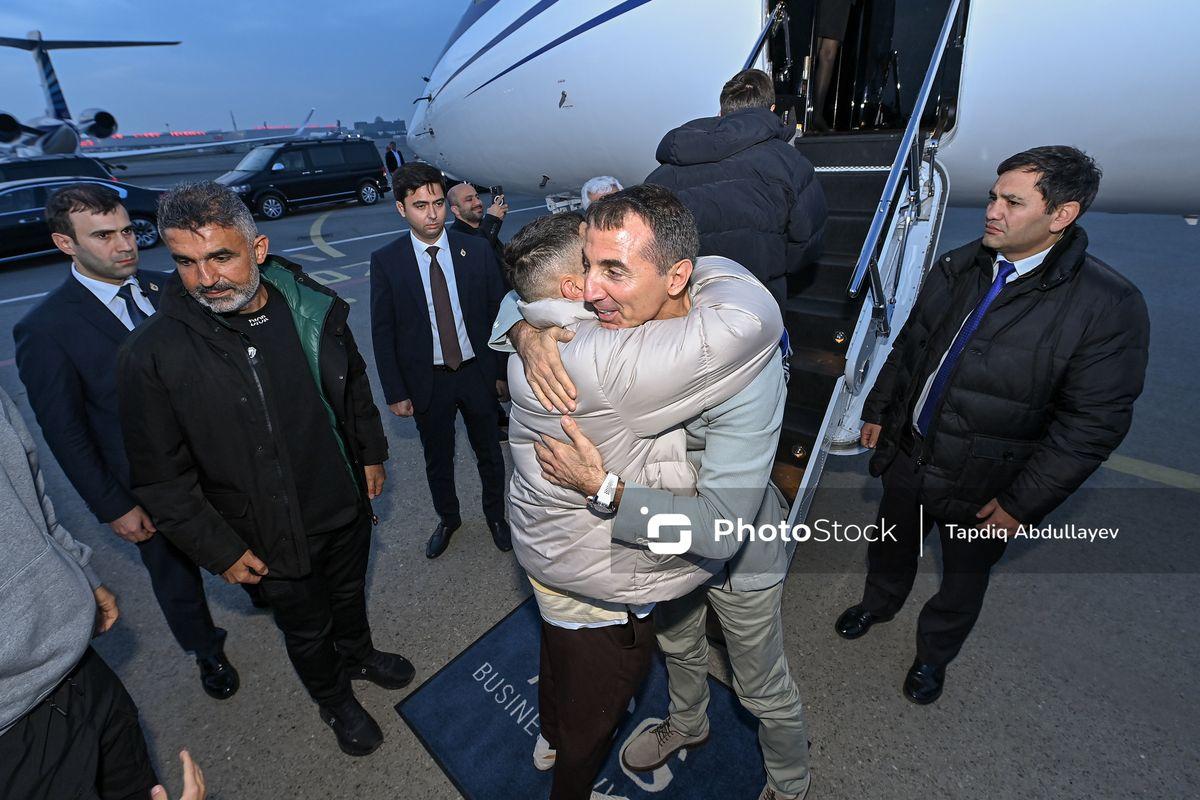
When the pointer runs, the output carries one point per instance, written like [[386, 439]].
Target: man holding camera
[[471, 219]]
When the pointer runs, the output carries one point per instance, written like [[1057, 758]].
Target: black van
[[275, 177], [21, 169]]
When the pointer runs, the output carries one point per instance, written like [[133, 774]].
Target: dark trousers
[[587, 679], [948, 617], [323, 616], [83, 741], [469, 391], [179, 589]]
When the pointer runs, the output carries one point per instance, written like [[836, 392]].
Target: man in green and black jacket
[[255, 445]]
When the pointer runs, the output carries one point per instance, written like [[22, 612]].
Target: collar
[[104, 291], [1025, 265], [443, 243]]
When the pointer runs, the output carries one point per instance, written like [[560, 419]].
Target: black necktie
[[443, 312], [136, 315]]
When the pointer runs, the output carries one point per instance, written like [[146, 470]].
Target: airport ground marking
[[306, 257], [23, 297], [318, 240], [1168, 476]]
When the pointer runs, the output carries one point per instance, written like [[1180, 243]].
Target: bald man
[[469, 217]]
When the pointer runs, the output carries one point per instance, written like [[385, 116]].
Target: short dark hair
[[411, 177], [750, 88], [92, 198], [533, 256], [1065, 173], [197, 204], [675, 235]]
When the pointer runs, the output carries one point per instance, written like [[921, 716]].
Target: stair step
[[850, 149], [854, 192], [845, 232], [809, 390]]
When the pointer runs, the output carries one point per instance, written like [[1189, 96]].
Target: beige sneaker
[[771, 794], [654, 747], [543, 755]]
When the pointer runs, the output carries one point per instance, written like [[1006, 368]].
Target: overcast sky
[[267, 61]]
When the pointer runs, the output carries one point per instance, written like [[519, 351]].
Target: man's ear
[[571, 287], [400, 208], [1063, 216], [64, 243], [678, 277], [261, 245]]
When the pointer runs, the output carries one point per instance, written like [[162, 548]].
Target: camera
[[495, 191]]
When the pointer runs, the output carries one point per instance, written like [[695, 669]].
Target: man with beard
[[67, 358], [255, 444], [470, 218]]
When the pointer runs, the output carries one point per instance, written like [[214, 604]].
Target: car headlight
[[240, 188]]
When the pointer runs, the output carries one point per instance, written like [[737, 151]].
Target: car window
[[363, 155], [52, 168], [292, 160], [323, 157], [19, 200]]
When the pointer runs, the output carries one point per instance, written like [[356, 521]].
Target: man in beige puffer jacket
[[714, 328]]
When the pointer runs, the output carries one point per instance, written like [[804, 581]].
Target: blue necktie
[[1003, 270], [136, 315]]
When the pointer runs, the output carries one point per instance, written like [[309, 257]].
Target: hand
[[402, 409], [502, 391], [577, 465], [870, 434], [134, 525], [376, 475], [499, 207], [538, 351], [106, 611], [193, 781], [247, 569], [995, 516]]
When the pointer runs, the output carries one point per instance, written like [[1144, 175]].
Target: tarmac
[[1077, 683]]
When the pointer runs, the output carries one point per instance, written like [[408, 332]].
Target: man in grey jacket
[[68, 728], [733, 446]]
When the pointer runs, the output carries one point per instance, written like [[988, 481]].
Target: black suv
[[23, 228], [275, 177]]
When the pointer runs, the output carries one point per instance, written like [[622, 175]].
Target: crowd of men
[[221, 416]]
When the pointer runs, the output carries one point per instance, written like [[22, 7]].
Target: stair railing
[[905, 168]]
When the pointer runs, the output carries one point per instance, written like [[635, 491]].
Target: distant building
[[382, 128]]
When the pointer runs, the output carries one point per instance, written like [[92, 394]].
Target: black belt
[[444, 368]]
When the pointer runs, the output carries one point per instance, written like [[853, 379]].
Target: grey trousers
[[754, 635]]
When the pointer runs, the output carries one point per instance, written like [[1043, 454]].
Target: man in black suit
[[66, 355], [393, 159], [434, 294], [471, 219]]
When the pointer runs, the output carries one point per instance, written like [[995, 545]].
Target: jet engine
[[98, 123]]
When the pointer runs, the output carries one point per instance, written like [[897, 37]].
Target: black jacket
[[393, 160], [206, 452], [1040, 397], [67, 358], [489, 228], [754, 196], [400, 329]]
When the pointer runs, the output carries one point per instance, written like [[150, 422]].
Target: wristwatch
[[602, 502]]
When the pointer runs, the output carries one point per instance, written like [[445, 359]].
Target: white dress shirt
[[1023, 268], [106, 293], [446, 262]]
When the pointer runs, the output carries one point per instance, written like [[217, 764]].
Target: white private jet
[[59, 133], [541, 95]]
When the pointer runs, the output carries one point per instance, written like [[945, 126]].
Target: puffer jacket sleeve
[[163, 473], [806, 219], [508, 315], [1093, 411], [368, 427], [667, 371]]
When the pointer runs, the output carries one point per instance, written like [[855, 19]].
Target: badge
[[154, 287], [463, 252]]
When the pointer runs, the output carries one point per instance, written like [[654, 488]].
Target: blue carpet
[[478, 718]]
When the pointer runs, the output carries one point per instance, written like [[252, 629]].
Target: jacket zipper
[[252, 360]]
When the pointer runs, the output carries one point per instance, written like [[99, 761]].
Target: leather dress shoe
[[501, 535], [357, 732], [440, 539], [924, 682], [856, 621], [389, 670], [217, 676]]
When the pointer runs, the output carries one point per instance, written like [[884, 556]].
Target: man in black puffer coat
[[1012, 380], [755, 198]]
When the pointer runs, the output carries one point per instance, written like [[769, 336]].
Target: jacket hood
[[711, 139]]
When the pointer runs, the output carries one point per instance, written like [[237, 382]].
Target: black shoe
[[501, 535], [389, 670], [357, 732], [856, 621], [217, 676], [440, 539], [923, 684]]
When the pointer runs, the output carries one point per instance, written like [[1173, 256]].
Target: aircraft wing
[[110, 155]]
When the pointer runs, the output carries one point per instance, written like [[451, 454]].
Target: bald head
[[465, 203]]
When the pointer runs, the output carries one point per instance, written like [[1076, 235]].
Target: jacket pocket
[[992, 464], [230, 505]]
